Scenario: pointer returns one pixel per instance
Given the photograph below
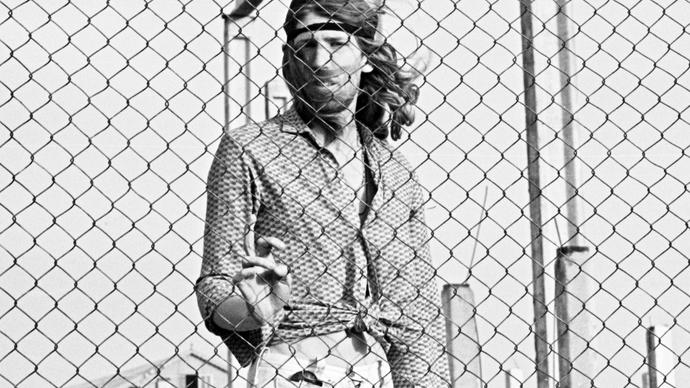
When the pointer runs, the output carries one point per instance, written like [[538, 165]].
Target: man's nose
[[320, 57]]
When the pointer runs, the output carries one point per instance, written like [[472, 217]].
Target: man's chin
[[325, 106], [333, 115], [330, 109]]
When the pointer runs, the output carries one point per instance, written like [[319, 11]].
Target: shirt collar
[[291, 122]]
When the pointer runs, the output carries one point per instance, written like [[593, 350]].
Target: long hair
[[387, 94]]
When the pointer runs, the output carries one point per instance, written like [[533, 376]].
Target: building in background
[[186, 370]]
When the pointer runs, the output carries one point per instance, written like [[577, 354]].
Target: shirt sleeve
[[232, 196], [417, 336]]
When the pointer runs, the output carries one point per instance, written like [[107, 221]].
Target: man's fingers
[[266, 262], [258, 259], [266, 267], [255, 271], [264, 245], [266, 275], [249, 237], [275, 242], [281, 270], [261, 246]]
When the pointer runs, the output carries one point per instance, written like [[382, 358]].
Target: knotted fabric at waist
[[308, 320]]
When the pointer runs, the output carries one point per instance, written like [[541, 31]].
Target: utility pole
[[572, 293], [574, 286], [538, 289], [567, 119], [661, 360], [651, 358]]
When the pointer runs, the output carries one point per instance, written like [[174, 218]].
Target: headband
[[330, 26]]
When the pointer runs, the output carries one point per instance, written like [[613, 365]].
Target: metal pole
[[565, 365], [567, 117], [574, 332], [645, 380], [573, 294], [662, 360], [562, 295], [540, 338], [247, 80], [651, 357], [513, 378], [243, 9], [226, 75], [464, 350], [267, 101], [226, 123]]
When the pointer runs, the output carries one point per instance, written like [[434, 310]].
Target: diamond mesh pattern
[[111, 112]]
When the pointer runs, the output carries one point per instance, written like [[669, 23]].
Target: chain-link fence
[[551, 137]]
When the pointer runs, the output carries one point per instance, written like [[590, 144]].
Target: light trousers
[[364, 369]]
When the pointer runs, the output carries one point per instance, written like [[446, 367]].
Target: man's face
[[324, 68]]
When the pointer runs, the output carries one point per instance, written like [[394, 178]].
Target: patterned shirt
[[373, 272]]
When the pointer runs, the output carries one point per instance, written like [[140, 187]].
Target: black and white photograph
[[345, 193]]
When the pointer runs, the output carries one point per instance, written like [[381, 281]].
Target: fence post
[[541, 344], [513, 378], [567, 120], [651, 358], [245, 68], [242, 9], [226, 121], [226, 76], [645, 380], [660, 358], [565, 364], [574, 320], [462, 336]]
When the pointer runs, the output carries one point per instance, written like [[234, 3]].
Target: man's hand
[[264, 283]]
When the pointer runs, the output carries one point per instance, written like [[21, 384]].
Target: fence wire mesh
[[112, 111]]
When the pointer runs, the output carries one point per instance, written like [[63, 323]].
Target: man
[[319, 191]]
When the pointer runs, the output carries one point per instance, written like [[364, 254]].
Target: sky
[[110, 114]]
